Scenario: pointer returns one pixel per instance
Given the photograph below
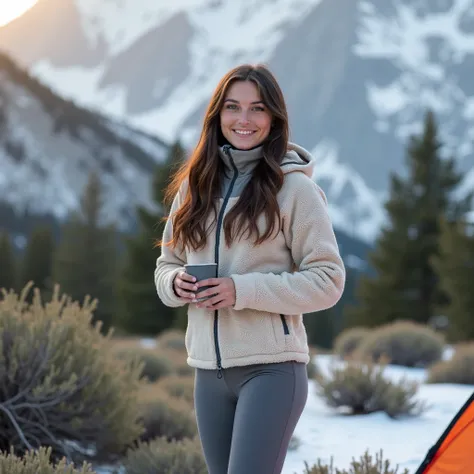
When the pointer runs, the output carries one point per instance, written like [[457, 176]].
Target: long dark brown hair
[[204, 170]]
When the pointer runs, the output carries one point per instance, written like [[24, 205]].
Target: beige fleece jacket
[[299, 271]]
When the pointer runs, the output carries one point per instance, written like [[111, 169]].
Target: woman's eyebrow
[[236, 101]]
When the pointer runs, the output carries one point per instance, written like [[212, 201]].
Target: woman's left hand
[[222, 293]]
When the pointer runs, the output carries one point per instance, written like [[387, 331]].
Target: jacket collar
[[297, 158], [244, 160]]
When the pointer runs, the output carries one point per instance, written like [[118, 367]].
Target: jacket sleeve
[[169, 264], [319, 278]]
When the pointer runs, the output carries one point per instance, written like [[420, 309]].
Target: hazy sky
[[13, 8]]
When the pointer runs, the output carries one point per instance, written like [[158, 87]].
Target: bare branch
[[17, 427]]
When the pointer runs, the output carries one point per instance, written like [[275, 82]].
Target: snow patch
[[360, 217], [405, 38]]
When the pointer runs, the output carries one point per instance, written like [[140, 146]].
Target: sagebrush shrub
[[458, 370], [365, 465], [178, 387], [172, 339], [165, 416], [349, 340], [60, 383], [363, 388], [155, 364], [162, 456], [38, 462], [403, 343], [312, 369], [178, 359]]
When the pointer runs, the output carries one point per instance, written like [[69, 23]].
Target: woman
[[246, 201]]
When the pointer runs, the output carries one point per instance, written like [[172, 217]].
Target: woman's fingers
[[185, 286]]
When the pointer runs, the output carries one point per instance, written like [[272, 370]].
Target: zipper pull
[[219, 371], [226, 149]]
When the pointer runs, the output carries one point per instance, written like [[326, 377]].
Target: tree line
[[421, 265], [93, 258]]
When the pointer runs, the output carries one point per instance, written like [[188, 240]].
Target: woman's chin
[[244, 144]]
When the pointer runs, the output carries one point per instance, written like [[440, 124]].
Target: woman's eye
[[259, 109], [231, 106]]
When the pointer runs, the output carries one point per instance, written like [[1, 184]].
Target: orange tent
[[453, 453]]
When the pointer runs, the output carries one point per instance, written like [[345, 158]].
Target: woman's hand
[[185, 286], [222, 293]]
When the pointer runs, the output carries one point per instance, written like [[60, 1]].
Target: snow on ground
[[324, 434]]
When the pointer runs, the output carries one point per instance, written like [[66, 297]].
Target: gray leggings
[[246, 418]]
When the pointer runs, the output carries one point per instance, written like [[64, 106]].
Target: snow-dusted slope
[[48, 147], [426, 42], [224, 33], [357, 213], [358, 75]]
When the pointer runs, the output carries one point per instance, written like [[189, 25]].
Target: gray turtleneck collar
[[244, 160]]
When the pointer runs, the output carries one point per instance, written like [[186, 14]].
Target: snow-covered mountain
[[357, 74], [48, 147]]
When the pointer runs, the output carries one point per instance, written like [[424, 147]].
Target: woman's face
[[245, 120]]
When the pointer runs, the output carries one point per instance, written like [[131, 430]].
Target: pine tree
[[455, 267], [86, 259], [142, 311], [405, 285], [37, 264], [8, 273]]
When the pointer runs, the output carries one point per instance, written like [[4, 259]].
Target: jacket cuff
[[244, 291], [174, 300]]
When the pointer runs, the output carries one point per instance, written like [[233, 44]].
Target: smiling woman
[[11, 10]]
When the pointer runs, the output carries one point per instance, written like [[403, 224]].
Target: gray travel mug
[[202, 271]]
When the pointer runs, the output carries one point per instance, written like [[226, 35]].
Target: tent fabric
[[453, 453]]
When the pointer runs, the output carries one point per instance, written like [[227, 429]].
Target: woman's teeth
[[244, 132]]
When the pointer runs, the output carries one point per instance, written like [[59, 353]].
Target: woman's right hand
[[184, 286]]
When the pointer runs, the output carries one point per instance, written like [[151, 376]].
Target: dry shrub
[[165, 416], [60, 382], [363, 388], [312, 369], [458, 370], [403, 343], [349, 340], [178, 387], [172, 339], [365, 465], [120, 343], [156, 364], [178, 359], [163, 456], [38, 462]]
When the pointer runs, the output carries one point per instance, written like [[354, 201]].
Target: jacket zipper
[[286, 329], [216, 255]]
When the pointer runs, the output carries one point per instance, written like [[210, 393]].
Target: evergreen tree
[[8, 272], [405, 285], [86, 259], [455, 267], [37, 264], [142, 310]]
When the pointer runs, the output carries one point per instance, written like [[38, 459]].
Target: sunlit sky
[[10, 9]]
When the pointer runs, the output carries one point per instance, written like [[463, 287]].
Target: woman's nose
[[243, 118]]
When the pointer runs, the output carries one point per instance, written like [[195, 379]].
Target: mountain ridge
[[358, 76], [49, 146]]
